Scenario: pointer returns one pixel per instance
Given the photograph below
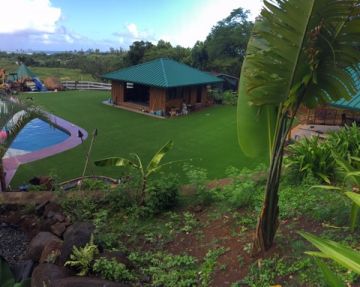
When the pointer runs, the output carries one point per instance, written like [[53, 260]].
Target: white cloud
[[200, 26], [132, 28], [28, 15]]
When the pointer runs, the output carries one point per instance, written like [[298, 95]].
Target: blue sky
[[82, 24]]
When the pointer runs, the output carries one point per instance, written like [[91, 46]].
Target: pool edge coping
[[11, 164]]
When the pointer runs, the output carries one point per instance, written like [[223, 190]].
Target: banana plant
[[300, 52], [153, 166]]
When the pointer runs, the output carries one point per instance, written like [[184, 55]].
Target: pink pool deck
[[11, 164]]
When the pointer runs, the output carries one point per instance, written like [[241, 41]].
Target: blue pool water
[[37, 135]]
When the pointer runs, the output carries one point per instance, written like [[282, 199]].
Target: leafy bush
[[112, 270], [346, 144], [311, 156], [230, 98], [162, 193], [243, 189]]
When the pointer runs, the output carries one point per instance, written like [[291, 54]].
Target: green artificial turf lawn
[[207, 137]]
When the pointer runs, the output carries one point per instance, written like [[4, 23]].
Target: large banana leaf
[[155, 161], [115, 161], [341, 254], [307, 46]]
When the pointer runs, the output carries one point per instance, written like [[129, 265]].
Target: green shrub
[[162, 193], [346, 144], [243, 189], [230, 98], [112, 270], [311, 156]]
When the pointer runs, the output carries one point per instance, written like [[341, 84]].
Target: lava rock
[[46, 274], [58, 228], [51, 209], [78, 235], [51, 251], [38, 243], [13, 243]]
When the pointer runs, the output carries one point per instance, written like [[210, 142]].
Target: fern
[[82, 258]]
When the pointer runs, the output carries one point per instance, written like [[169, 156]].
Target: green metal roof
[[164, 73], [24, 72], [354, 102]]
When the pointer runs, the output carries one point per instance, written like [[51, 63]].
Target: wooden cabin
[[162, 87]]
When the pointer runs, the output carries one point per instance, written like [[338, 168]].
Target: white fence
[[85, 85]]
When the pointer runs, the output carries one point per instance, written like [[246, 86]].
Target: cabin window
[[129, 85], [175, 93]]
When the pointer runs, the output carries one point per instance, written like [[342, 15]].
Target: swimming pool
[[36, 135]]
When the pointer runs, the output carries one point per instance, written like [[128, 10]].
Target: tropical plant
[[341, 254], [153, 166], [311, 156], [14, 115], [83, 257], [346, 144], [6, 277], [112, 270], [300, 52], [351, 180]]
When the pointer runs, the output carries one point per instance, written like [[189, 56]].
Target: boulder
[[51, 209], [51, 251], [78, 235], [46, 274], [38, 243], [76, 281], [22, 270], [58, 228]]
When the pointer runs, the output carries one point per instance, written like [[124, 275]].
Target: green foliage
[[153, 166], [190, 222], [345, 143], [265, 272], [112, 270], [94, 184], [243, 190], [230, 98], [225, 46], [209, 264], [166, 269], [82, 258], [297, 200], [311, 156], [162, 193], [341, 254], [6, 277]]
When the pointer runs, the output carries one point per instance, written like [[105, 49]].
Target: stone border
[[11, 164]]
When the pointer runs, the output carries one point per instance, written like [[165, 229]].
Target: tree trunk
[[269, 217], [2, 177]]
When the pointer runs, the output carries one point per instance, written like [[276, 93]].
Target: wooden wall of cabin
[[326, 115], [117, 92], [157, 99]]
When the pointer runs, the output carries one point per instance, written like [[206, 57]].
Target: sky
[[65, 25]]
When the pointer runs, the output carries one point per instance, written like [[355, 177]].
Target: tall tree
[[136, 52], [227, 41], [300, 52]]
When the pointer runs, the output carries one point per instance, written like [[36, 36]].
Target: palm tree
[[300, 52], [14, 115]]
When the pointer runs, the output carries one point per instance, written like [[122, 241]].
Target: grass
[[207, 137], [64, 74]]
